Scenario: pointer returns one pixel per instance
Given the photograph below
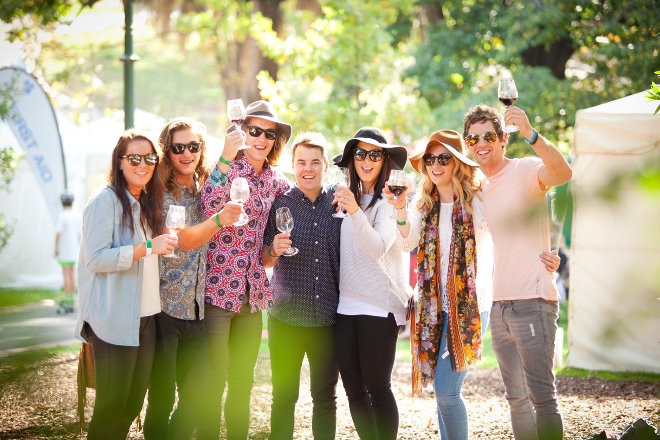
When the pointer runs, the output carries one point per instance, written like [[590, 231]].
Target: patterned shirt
[[306, 285], [234, 254], [182, 279]]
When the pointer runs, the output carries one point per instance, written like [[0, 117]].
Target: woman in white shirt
[[373, 286], [119, 283]]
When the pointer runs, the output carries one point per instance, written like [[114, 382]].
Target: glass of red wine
[[508, 94], [236, 115], [397, 182]]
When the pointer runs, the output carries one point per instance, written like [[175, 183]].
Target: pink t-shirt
[[519, 221]]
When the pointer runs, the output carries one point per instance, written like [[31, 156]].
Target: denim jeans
[[523, 335], [288, 346], [447, 385]]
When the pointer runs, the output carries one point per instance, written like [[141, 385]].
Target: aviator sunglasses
[[442, 158], [255, 132], [193, 147], [473, 139], [135, 159], [375, 155]]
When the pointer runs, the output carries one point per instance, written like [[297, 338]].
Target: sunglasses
[[255, 131], [375, 155], [135, 159], [442, 158], [193, 147], [473, 139]]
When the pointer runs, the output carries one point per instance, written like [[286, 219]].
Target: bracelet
[[271, 255], [534, 138], [401, 223], [148, 248], [217, 220], [225, 161]]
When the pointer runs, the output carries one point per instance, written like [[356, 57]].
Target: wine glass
[[508, 94], [339, 176], [397, 182], [239, 193], [176, 220], [236, 114], [284, 220]]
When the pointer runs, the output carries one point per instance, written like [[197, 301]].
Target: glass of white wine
[[236, 114], [240, 193], [175, 221], [284, 220], [340, 177]]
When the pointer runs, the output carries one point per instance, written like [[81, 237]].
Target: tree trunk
[[555, 57]]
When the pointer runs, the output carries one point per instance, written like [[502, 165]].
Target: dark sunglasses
[[473, 139], [442, 158], [255, 131], [135, 159], [193, 147], [375, 155]]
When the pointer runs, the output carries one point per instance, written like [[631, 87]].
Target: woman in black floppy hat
[[373, 284]]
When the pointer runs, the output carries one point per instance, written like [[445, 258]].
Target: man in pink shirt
[[525, 299]]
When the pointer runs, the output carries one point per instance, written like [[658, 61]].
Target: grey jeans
[[523, 337]]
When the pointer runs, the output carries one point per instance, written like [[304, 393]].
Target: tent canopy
[[615, 253]]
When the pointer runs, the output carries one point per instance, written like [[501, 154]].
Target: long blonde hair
[[465, 179]]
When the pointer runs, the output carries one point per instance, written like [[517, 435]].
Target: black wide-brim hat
[[265, 110], [373, 136]]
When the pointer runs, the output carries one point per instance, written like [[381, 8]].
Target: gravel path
[[40, 402]]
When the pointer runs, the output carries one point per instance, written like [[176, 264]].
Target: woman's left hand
[[345, 199], [551, 260]]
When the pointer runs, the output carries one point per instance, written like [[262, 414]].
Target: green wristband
[[401, 223], [271, 255], [217, 220], [225, 161]]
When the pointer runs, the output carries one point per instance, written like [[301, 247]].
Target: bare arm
[[195, 236]]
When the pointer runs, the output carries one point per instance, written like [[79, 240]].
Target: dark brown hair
[[482, 113], [151, 199]]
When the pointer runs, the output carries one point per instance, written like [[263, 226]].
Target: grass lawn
[[15, 297]]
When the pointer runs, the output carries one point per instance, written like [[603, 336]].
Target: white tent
[[614, 307]]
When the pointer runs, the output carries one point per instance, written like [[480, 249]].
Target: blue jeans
[[288, 346], [447, 384], [523, 335]]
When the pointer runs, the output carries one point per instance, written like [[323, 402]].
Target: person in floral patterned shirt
[[181, 360], [237, 289]]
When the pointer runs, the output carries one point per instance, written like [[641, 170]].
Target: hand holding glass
[[236, 114], [240, 193], [397, 183], [508, 94], [339, 176], [284, 220], [176, 220]]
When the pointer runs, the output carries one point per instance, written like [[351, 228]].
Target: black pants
[[288, 346], [122, 377], [180, 365], [366, 349]]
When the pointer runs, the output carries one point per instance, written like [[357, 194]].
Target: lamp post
[[128, 59]]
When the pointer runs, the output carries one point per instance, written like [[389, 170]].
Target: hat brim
[[398, 155], [416, 159], [282, 127]]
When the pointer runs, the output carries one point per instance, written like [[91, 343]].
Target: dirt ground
[[40, 402]]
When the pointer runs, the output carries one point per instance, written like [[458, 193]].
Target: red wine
[[508, 101], [238, 121], [397, 189]]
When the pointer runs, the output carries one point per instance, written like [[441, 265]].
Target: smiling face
[[137, 176], [260, 146], [440, 175], [309, 166], [184, 164], [367, 170], [489, 156]]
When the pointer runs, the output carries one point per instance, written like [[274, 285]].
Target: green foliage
[[654, 93], [25, 17]]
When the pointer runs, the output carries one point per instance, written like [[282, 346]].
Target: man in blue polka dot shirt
[[305, 293]]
